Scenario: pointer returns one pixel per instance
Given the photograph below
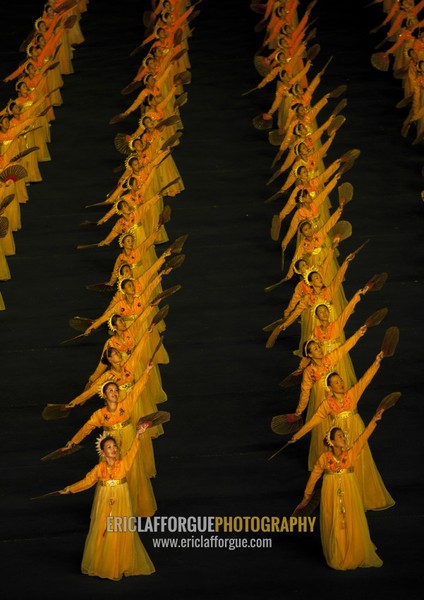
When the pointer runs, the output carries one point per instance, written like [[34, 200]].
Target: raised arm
[[89, 393], [319, 415], [137, 389], [340, 323], [358, 389]]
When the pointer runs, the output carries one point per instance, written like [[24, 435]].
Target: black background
[[222, 383]]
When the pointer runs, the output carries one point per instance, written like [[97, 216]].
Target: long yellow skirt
[[345, 536], [30, 161], [167, 171], [13, 211], [4, 268], [7, 244], [373, 492], [75, 35], [113, 555]]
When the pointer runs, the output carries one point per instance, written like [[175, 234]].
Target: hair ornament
[[121, 281], [110, 325], [130, 231], [105, 434], [307, 273], [321, 302], [38, 22], [328, 440], [102, 387], [128, 160]]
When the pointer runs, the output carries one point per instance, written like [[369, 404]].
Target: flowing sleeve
[[326, 192], [93, 423], [305, 390], [301, 73], [140, 98], [290, 180], [316, 473], [360, 442], [322, 152], [89, 480], [92, 391], [101, 367], [268, 78], [340, 323], [318, 107], [290, 204], [128, 459], [358, 389], [280, 92], [326, 264], [110, 213], [294, 223], [151, 271], [329, 171], [335, 356], [337, 280], [289, 160], [288, 136], [136, 390], [146, 295], [138, 351], [294, 301], [397, 23], [114, 232], [301, 306], [320, 414], [329, 224]]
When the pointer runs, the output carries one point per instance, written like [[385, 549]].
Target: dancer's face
[[315, 350], [336, 384], [339, 440], [316, 280], [110, 449], [111, 395], [322, 313]]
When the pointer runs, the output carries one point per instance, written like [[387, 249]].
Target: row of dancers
[[329, 389], [404, 56], [127, 377], [25, 121]]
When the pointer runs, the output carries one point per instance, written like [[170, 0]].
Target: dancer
[[112, 554], [345, 536]]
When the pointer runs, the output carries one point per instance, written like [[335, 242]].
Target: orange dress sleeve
[[89, 480], [320, 414]]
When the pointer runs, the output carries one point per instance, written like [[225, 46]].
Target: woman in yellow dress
[[345, 536], [112, 554]]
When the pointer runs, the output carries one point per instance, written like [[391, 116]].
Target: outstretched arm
[[360, 442], [358, 389], [89, 480], [93, 423]]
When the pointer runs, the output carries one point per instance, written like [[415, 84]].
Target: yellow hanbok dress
[[345, 535], [112, 554]]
